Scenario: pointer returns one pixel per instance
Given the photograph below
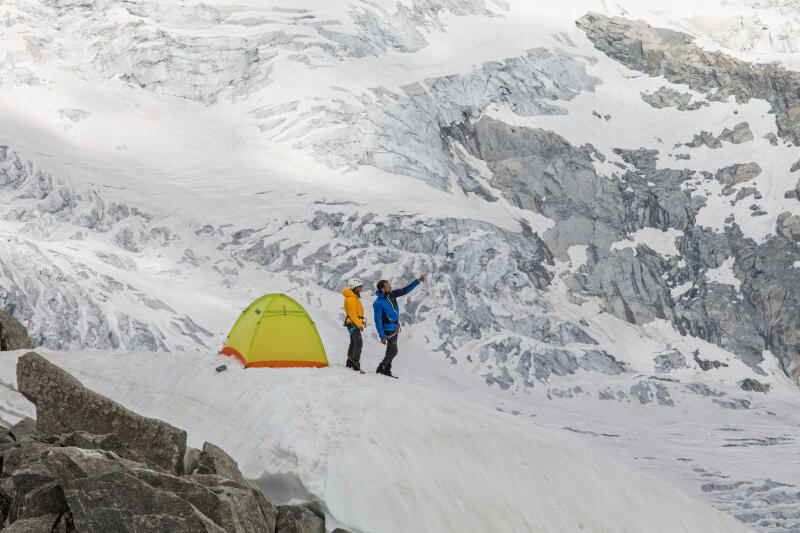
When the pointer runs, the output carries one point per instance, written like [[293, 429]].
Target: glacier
[[604, 199]]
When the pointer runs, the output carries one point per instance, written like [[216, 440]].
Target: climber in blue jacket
[[387, 319]]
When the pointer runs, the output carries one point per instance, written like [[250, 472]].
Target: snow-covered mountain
[[604, 196]]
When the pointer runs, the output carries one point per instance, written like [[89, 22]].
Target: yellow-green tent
[[275, 331]]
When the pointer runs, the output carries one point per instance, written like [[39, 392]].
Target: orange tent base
[[271, 364]]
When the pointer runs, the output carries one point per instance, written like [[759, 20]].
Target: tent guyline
[[275, 331]]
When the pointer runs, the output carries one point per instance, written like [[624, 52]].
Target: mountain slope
[[603, 198]]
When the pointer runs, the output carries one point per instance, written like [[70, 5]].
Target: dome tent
[[275, 331]]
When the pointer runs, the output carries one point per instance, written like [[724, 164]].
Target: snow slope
[[388, 456]]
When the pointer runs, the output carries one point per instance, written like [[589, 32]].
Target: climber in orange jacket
[[354, 322]]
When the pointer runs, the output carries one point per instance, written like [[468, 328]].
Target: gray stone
[[88, 441], [668, 361], [296, 519], [600, 361], [120, 502], [740, 134], [788, 226], [214, 460], [26, 426], [44, 500], [13, 335], [703, 389], [191, 460], [749, 384], [64, 405], [665, 97], [772, 138], [794, 193], [221, 368], [641, 391], [39, 524], [232, 506], [738, 173], [733, 403]]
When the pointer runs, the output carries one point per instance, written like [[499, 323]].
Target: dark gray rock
[[733, 403], [191, 459], [13, 335], [26, 426], [44, 500], [703, 389], [740, 134], [642, 392], [296, 519], [668, 361], [749, 384], [88, 441], [120, 502], [64, 405], [40, 524], [738, 173], [788, 226], [213, 460], [600, 361], [794, 193]]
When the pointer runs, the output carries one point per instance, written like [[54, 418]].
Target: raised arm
[[405, 290]]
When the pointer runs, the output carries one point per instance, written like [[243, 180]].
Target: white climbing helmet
[[352, 283]]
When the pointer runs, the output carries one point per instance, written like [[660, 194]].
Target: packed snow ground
[[388, 456]]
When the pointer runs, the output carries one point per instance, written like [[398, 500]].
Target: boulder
[[120, 502], [296, 519], [63, 405], [13, 335], [109, 442], [44, 500], [213, 460], [26, 426], [788, 226]]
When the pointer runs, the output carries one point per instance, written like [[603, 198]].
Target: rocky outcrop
[[672, 54], [63, 405], [13, 335], [84, 482], [665, 97]]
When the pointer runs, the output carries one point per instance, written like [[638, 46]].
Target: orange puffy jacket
[[353, 308]]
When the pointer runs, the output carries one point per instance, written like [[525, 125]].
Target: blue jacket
[[387, 312]]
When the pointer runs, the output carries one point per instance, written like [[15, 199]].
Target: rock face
[[13, 335], [63, 405], [85, 482], [663, 52]]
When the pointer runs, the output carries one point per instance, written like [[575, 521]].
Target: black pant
[[391, 351], [354, 351]]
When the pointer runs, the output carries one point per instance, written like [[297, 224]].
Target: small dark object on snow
[[222, 368], [753, 385]]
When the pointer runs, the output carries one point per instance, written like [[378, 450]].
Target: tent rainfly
[[275, 331]]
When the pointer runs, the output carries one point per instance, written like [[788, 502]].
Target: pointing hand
[[421, 279]]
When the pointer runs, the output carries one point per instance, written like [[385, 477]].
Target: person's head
[[384, 287], [355, 285]]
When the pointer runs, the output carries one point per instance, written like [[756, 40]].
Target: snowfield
[[382, 455]]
